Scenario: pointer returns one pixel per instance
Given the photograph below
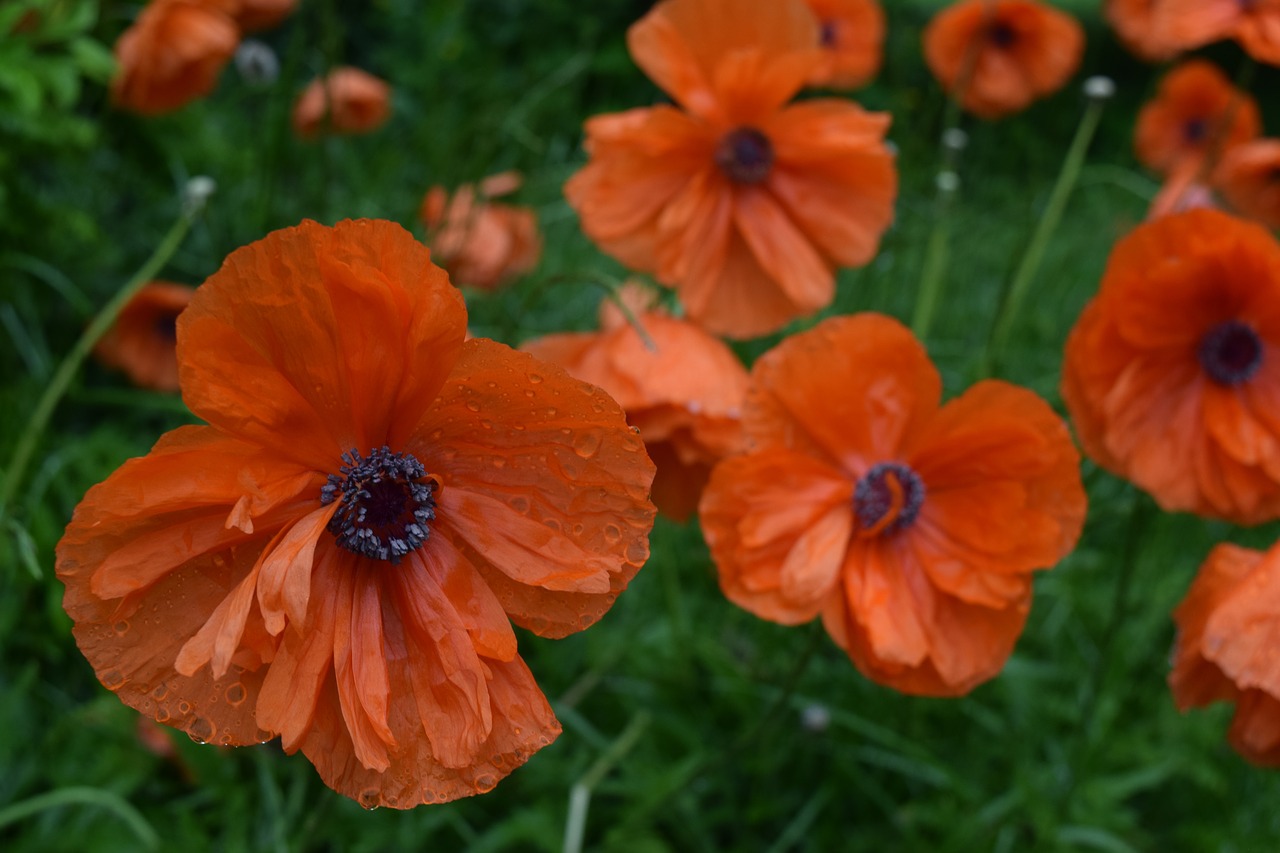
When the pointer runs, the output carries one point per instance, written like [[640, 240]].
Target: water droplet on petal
[[473, 406], [587, 443], [201, 730], [121, 627], [369, 798], [612, 533], [485, 783], [113, 679], [535, 378], [520, 504], [235, 694]]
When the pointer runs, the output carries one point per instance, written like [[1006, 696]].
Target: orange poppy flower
[[480, 242], [1185, 119], [1255, 24], [851, 33], [1183, 190], [912, 528], [1249, 179], [1170, 374], [348, 100], [997, 56], [744, 203], [143, 341], [338, 557], [683, 390], [1140, 27], [171, 55], [1228, 629]]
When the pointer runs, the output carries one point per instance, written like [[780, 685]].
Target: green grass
[[1076, 746]]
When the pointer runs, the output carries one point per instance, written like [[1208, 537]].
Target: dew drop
[[113, 679], [161, 690], [369, 798], [638, 551], [162, 714], [528, 392], [535, 378], [235, 694], [184, 708], [121, 627], [587, 443], [520, 504], [473, 406], [499, 462], [552, 523], [612, 533], [492, 384], [486, 423], [485, 783], [551, 411], [201, 730], [437, 434]]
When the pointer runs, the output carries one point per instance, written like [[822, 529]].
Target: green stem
[[1048, 224], [580, 795], [937, 252], [61, 380], [113, 803]]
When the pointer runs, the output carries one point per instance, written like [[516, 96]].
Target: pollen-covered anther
[[887, 498], [745, 156], [387, 501], [1230, 353]]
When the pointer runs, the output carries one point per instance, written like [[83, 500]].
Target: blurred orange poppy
[[338, 557], [1228, 631], [171, 55], [1170, 373], [851, 33], [1186, 119], [481, 243], [1255, 24], [912, 528], [682, 389], [1249, 179], [1141, 29], [347, 100], [143, 341], [997, 56], [742, 202]]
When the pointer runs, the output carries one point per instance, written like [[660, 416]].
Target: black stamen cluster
[[1230, 353], [872, 497], [386, 502], [745, 156]]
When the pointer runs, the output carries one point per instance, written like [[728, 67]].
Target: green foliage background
[[692, 719]]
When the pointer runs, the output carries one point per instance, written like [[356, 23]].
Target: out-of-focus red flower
[[482, 243], [1141, 28], [851, 33], [1255, 24], [143, 342], [172, 55], [911, 527], [347, 100], [1228, 633], [1188, 117], [997, 56], [1249, 180], [682, 388], [1171, 373]]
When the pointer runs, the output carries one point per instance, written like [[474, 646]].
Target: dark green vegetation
[[1076, 746]]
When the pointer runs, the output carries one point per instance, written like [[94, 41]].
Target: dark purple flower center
[[1230, 353], [1195, 130], [827, 34], [1001, 34], [386, 502], [745, 156], [887, 498], [166, 327]]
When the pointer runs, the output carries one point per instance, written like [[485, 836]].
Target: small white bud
[[815, 718], [948, 181], [955, 139], [196, 193], [1099, 88], [257, 63]]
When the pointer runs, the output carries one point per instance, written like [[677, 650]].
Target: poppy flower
[[1185, 120], [682, 389], [347, 100], [851, 33], [1255, 24], [1249, 179], [171, 55], [480, 242], [997, 56], [338, 557], [1171, 375], [911, 528], [143, 340], [743, 202], [1140, 27], [1228, 629]]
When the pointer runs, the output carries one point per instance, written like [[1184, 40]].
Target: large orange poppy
[[912, 528], [851, 33], [997, 56], [744, 203], [172, 55], [1249, 179], [338, 556], [481, 242], [1171, 374], [1187, 119], [1228, 631], [1255, 24], [1141, 29], [346, 100], [683, 389], [143, 340]]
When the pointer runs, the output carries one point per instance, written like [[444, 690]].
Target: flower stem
[[580, 794], [57, 387], [1016, 293], [85, 796], [937, 251]]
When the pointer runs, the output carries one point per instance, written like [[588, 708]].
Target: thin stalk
[[84, 796], [58, 385], [580, 795], [937, 253], [1016, 294]]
